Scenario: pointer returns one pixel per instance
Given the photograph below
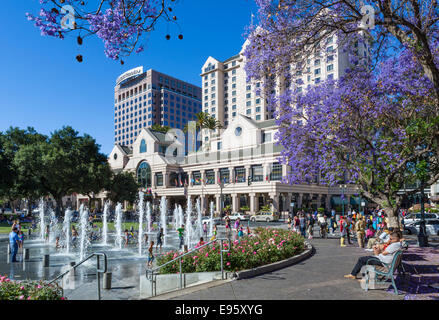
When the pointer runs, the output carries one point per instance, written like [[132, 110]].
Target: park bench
[[386, 272]]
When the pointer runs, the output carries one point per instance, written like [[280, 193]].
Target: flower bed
[[263, 247], [14, 290]]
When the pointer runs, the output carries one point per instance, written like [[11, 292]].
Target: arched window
[[142, 146], [144, 175]]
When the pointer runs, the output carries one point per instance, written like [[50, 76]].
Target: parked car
[[266, 216], [236, 215], [216, 221], [431, 225], [413, 217]]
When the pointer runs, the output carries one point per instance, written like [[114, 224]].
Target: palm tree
[[204, 121]]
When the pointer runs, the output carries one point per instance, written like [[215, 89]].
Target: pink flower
[[28, 298], [39, 287], [254, 252], [228, 254], [207, 254], [228, 264], [21, 297], [62, 298], [256, 243], [243, 251], [21, 288]]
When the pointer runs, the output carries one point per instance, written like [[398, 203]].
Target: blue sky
[[43, 86]]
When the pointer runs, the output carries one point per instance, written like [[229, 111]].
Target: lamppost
[[422, 235], [343, 188], [359, 200]]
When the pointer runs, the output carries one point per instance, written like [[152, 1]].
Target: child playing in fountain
[[159, 240], [215, 232], [127, 237], [21, 238], [146, 238], [201, 243], [57, 244], [181, 235], [205, 229], [74, 236], [240, 233], [46, 235], [150, 255]]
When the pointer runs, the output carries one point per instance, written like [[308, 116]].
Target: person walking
[[302, 225], [322, 223], [348, 229], [360, 228], [310, 226], [14, 242], [343, 225], [296, 223]]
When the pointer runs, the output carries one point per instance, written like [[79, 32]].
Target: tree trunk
[[59, 206], [393, 218]]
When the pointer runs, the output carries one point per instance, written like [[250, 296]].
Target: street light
[[422, 235], [343, 188]]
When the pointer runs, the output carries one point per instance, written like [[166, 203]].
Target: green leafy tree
[[123, 187], [157, 127], [63, 164], [14, 185]]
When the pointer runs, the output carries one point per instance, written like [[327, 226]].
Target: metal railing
[[151, 274], [99, 270]]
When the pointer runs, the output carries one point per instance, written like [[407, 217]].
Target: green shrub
[[264, 246], [15, 290]]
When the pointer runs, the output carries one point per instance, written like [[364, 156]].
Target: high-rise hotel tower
[[142, 99]]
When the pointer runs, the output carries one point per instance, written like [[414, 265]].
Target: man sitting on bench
[[384, 257]]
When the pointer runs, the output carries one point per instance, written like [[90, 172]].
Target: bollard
[[46, 260], [107, 280], [9, 249], [26, 254]]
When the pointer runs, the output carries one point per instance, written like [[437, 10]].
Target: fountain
[[180, 216], [188, 228], [66, 228], [105, 223], [199, 219], [211, 220], [83, 231], [118, 226], [163, 225], [148, 216], [42, 222], [140, 209], [53, 226], [176, 219]]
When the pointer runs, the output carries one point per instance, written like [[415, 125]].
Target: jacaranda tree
[[120, 24], [378, 125]]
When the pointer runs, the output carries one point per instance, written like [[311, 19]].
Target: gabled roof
[[160, 136], [231, 58], [124, 149], [266, 124]]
